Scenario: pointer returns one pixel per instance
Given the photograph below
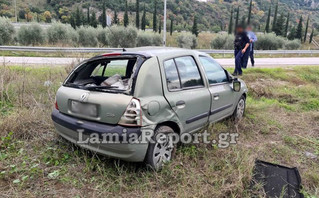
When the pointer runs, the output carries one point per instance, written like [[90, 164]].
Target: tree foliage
[[237, 17], [299, 29], [126, 20], [306, 31], [137, 20], [274, 24], [172, 27], [155, 16], [267, 29], [287, 25], [144, 19], [230, 25], [249, 12], [103, 15], [31, 35], [195, 30], [187, 40], [115, 19], [311, 35], [6, 31], [279, 26]]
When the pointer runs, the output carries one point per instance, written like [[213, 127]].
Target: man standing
[[241, 45], [252, 39]]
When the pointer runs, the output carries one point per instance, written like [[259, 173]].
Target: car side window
[[189, 72], [172, 77], [215, 73]]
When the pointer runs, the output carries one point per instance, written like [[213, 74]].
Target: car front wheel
[[240, 109]]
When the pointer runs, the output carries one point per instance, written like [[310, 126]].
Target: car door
[[186, 92], [220, 89]]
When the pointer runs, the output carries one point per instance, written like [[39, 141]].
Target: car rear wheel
[[162, 150], [240, 109]]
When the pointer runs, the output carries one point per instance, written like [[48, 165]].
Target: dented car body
[[145, 89]]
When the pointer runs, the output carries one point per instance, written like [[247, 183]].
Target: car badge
[[83, 97]]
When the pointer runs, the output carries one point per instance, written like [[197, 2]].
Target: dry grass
[[281, 124]]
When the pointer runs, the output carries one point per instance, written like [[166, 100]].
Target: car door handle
[[216, 96], [180, 104]]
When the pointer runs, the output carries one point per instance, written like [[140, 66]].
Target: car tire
[[158, 154], [240, 109]]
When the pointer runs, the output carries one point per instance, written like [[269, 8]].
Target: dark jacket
[[241, 39]]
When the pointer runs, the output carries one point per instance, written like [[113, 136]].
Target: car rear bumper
[[70, 128]]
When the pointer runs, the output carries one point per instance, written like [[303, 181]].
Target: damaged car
[[145, 90]]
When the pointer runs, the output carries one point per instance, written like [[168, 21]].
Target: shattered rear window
[[109, 75]]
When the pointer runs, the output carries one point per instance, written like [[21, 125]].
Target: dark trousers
[[238, 61], [251, 54], [245, 58]]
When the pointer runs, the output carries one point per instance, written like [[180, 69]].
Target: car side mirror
[[236, 85]]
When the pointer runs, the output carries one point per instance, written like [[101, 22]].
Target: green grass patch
[[311, 104], [278, 127], [309, 74]]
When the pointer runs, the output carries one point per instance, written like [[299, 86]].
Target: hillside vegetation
[[213, 15]]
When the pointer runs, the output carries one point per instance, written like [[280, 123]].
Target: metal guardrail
[[104, 50], [58, 49], [264, 51]]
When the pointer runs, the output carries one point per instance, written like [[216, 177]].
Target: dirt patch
[[287, 98], [263, 87]]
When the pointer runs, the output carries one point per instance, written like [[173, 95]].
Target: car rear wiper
[[109, 88], [99, 87], [73, 85]]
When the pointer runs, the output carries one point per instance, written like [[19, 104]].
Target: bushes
[[157, 40], [87, 36], [123, 37], [59, 33], [103, 36], [31, 34], [187, 40], [223, 41], [293, 45], [265, 42], [269, 42], [148, 39], [273, 42], [6, 31]]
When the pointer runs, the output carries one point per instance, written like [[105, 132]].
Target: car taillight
[[56, 105], [132, 115]]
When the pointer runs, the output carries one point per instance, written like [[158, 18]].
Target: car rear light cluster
[[56, 105], [132, 115]]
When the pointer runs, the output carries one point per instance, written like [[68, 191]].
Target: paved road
[[260, 62]]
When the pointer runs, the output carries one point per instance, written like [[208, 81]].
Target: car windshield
[[108, 75]]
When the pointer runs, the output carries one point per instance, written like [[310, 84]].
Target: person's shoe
[[234, 74], [240, 74], [253, 65]]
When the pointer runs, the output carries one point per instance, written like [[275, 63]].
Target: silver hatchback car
[[140, 92]]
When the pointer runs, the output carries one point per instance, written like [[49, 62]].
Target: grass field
[[280, 126]]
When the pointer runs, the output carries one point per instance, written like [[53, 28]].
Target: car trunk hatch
[[100, 89], [92, 105]]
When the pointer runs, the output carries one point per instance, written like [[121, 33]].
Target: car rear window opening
[[110, 75]]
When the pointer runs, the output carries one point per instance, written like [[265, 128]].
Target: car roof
[[150, 52], [156, 51]]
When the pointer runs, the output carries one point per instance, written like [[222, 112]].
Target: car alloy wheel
[[163, 151], [240, 109]]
